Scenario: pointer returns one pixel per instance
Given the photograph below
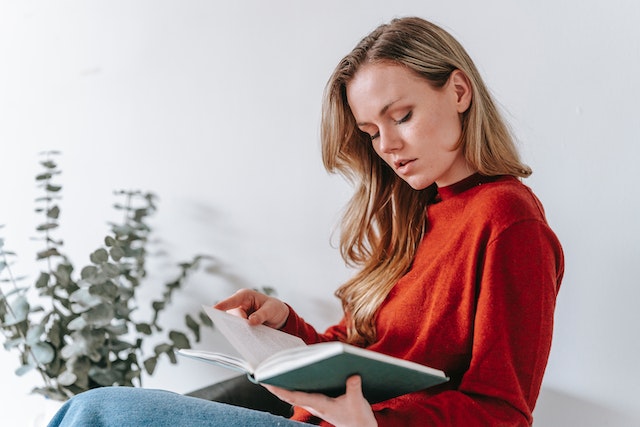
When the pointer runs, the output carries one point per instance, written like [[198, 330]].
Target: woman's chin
[[418, 183]]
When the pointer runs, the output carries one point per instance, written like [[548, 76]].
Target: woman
[[457, 267]]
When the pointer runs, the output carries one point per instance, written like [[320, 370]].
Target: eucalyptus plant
[[79, 331]]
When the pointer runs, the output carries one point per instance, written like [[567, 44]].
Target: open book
[[274, 357]]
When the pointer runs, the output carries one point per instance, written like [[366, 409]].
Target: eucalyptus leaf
[[108, 290], [116, 330], [143, 328], [127, 293], [117, 346], [63, 275], [54, 212], [162, 348], [47, 226], [98, 279], [150, 365], [123, 311], [89, 272], [77, 308], [53, 335], [47, 198], [95, 356], [111, 270], [205, 320], [43, 280], [18, 312], [71, 350], [43, 353], [98, 316], [99, 256], [82, 380], [67, 378], [140, 213], [132, 375], [179, 339], [24, 369], [268, 290], [122, 229], [12, 343], [194, 326], [116, 253], [49, 164], [106, 377], [77, 324], [56, 242], [85, 298], [47, 253], [33, 334], [80, 367]]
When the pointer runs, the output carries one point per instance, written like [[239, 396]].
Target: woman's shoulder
[[506, 199]]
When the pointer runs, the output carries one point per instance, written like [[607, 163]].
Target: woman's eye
[[374, 136], [404, 119]]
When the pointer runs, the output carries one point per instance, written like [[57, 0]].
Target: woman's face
[[414, 128]]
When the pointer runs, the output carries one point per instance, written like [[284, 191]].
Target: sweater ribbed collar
[[467, 183]]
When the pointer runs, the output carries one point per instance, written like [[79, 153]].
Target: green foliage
[[79, 332]]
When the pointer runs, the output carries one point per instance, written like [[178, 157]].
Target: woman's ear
[[461, 85]]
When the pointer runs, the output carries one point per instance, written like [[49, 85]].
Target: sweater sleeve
[[513, 324], [295, 325]]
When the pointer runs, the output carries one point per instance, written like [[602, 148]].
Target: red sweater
[[477, 303]]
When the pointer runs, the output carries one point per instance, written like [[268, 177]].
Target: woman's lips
[[403, 166]]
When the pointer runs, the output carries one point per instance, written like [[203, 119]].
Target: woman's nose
[[389, 141]]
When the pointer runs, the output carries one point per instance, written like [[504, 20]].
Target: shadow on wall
[[559, 409]]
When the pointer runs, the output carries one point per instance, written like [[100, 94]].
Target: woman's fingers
[[244, 300], [349, 410], [272, 312], [257, 307], [354, 387]]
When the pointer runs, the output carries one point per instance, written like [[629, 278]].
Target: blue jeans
[[129, 406]]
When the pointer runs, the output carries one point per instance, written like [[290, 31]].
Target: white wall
[[215, 105]]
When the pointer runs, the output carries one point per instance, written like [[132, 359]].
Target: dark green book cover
[[383, 377]]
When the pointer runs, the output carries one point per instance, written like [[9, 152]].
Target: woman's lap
[[129, 406]]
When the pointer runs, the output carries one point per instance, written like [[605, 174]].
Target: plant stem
[[39, 366]]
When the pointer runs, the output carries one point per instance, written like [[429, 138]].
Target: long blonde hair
[[385, 219]]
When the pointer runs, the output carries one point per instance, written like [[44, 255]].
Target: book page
[[254, 343], [217, 359]]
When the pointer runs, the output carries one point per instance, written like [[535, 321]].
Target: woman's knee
[[99, 405]]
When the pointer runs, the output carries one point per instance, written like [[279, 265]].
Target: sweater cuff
[[292, 322]]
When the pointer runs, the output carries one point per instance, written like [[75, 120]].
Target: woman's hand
[[350, 409], [256, 307]]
